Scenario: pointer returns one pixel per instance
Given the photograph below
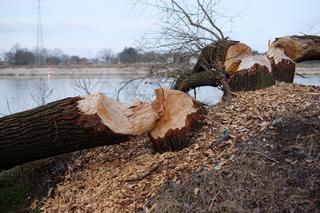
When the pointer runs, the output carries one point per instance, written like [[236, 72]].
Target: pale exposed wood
[[278, 55], [179, 114], [134, 119], [249, 61], [299, 48], [96, 120], [234, 56]]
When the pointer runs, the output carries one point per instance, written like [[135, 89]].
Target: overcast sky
[[84, 27]]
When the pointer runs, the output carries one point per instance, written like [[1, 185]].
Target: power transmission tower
[[39, 56]]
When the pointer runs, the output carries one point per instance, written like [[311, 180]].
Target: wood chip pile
[[122, 178]]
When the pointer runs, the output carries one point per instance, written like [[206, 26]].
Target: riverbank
[[77, 70], [108, 70], [268, 129]]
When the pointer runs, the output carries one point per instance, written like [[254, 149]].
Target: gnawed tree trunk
[[233, 63], [283, 68], [254, 72], [68, 125], [213, 56], [179, 115], [299, 48], [234, 56], [220, 62], [78, 123]]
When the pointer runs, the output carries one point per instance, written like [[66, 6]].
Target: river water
[[22, 93]]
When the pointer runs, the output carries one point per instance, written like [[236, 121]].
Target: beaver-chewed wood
[[68, 125], [299, 48], [219, 62], [254, 72], [283, 67], [180, 115]]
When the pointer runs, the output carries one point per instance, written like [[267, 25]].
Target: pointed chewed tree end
[[179, 116], [283, 67]]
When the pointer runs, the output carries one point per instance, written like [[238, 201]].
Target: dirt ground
[[278, 170], [258, 152]]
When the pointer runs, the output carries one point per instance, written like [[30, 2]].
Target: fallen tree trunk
[[68, 125], [226, 56], [96, 120], [299, 48], [197, 79]]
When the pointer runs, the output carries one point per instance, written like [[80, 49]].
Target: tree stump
[[283, 68], [253, 73], [179, 115]]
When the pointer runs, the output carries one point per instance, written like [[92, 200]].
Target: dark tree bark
[[253, 78], [197, 79], [283, 69], [53, 129]]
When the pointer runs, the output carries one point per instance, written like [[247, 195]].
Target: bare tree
[[42, 92], [85, 85], [105, 55], [189, 30]]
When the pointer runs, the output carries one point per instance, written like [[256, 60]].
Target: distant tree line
[[19, 56]]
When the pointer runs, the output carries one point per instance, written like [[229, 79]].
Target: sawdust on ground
[[122, 178]]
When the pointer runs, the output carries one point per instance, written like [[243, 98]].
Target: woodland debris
[[98, 177]]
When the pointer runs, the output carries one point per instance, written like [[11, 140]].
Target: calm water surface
[[22, 93]]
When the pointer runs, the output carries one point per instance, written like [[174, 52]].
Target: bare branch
[[210, 19], [193, 23]]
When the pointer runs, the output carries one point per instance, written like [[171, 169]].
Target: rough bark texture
[[213, 56], [299, 48], [78, 123], [256, 77], [197, 79], [209, 68], [283, 71], [53, 129]]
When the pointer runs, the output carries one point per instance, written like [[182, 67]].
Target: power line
[[39, 44]]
